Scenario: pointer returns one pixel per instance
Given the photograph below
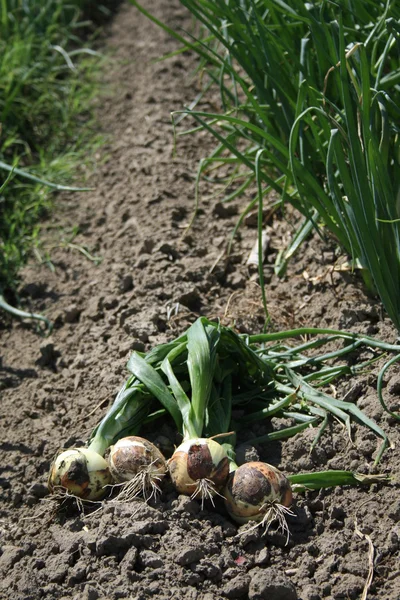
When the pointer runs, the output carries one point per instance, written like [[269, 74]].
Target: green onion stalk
[[199, 467], [254, 491]]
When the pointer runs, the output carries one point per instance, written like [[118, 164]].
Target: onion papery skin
[[195, 460], [132, 455], [80, 472], [253, 488]]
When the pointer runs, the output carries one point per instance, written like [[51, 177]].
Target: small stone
[[190, 298], [262, 557], [72, 314], [49, 356], [147, 246], [311, 593], [229, 529], [77, 574], [128, 562], [251, 219], [126, 284], [10, 555], [110, 302], [105, 545], [209, 570], [125, 314], [58, 574], [303, 516], [142, 262], [38, 490], [237, 587], [178, 213], [268, 583], [186, 504], [392, 541], [236, 281], [394, 512], [225, 210], [169, 250], [189, 555], [34, 290], [246, 538], [150, 559], [140, 332], [94, 308], [90, 593], [124, 348], [129, 346], [337, 464], [393, 385], [246, 453]]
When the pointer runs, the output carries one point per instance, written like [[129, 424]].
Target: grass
[[309, 108], [49, 77]]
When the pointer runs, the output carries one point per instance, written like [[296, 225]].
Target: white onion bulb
[[139, 463], [199, 466], [257, 491], [80, 472]]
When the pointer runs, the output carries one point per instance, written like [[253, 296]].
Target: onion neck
[[128, 411], [190, 432], [98, 445]]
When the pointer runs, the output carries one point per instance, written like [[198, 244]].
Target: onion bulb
[[199, 467], [257, 491], [80, 472], [138, 465]]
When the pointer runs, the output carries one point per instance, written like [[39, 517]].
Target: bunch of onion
[[89, 472], [198, 379], [199, 466]]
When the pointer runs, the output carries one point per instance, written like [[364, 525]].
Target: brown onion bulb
[[257, 491], [199, 466], [80, 472], [139, 463]]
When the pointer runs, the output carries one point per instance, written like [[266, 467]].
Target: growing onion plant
[[310, 110]]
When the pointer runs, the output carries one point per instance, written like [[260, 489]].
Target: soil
[[150, 284]]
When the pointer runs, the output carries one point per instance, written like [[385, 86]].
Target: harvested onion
[[138, 465], [257, 491], [80, 472], [199, 467]]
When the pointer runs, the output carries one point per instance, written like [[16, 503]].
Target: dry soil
[[149, 285]]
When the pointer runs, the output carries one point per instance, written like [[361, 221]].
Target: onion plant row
[[47, 85], [211, 384], [310, 96]]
